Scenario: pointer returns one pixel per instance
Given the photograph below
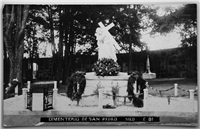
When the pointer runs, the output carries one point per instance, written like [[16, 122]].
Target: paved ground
[[180, 111], [154, 104]]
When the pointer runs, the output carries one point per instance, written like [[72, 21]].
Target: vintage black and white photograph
[[99, 64]]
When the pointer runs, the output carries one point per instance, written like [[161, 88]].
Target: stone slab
[[37, 102], [121, 76], [149, 75]]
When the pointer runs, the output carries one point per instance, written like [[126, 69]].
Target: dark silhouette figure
[[141, 85]]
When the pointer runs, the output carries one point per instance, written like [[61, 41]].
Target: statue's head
[[98, 31]]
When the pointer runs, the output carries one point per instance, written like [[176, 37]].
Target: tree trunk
[[53, 46], [60, 47], [66, 54], [13, 38], [68, 47], [5, 65], [66, 32], [71, 46], [130, 46], [51, 31], [16, 65]]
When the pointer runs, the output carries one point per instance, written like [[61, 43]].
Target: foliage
[[76, 24], [106, 67], [75, 86], [127, 19], [36, 31], [96, 91], [183, 18], [14, 24], [115, 91]]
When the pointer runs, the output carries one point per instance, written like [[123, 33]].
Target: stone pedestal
[[16, 91], [37, 104], [145, 98], [55, 95], [24, 93], [149, 75], [106, 83], [175, 89]]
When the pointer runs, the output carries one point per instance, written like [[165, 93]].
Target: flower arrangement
[[96, 91], [106, 67], [115, 91]]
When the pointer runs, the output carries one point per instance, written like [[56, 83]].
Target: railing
[[103, 91], [191, 92]]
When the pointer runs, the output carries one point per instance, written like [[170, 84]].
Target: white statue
[[107, 46]]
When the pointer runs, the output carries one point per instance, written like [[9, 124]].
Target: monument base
[[106, 82], [149, 75]]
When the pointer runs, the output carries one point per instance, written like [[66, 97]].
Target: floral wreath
[[74, 92], [106, 67]]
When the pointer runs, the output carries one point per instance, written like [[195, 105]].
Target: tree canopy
[[183, 18], [66, 27]]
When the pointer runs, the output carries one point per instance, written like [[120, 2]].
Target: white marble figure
[[107, 46]]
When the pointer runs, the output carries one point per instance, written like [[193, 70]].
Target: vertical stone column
[[192, 99], [175, 89], [55, 85], [191, 94], [100, 98], [135, 87], [145, 98], [24, 93], [28, 85], [16, 91], [55, 93]]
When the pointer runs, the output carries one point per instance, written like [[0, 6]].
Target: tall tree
[[51, 25], [183, 18], [35, 33], [59, 56], [14, 20], [128, 19]]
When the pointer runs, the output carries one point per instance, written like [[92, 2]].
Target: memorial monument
[[148, 74], [106, 64], [106, 70]]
